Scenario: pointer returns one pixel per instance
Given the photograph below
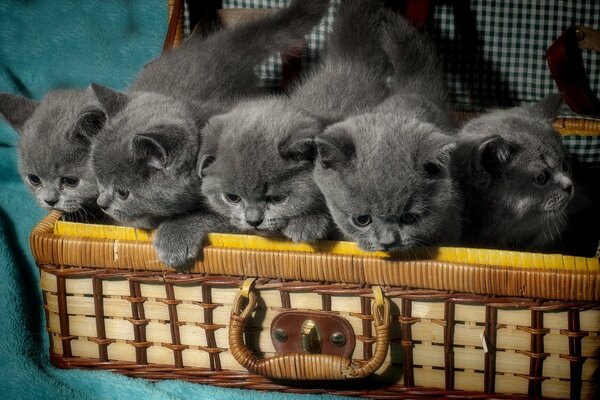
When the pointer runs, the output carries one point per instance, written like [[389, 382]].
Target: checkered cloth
[[494, 52], [496, 56]]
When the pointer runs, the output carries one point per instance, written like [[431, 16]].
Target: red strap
[[566, 65], [417, 11]]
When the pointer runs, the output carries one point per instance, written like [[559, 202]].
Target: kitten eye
[[123, 194], [408, 218], [541, 179], [362, 220], [232, 198], [70, 181], [565, 166], [433, 170], [34, 180], [275, 199]]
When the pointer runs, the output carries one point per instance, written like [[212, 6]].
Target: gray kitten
[[145, 158], [516, 177], [257, 160], [56, 135], [386, 174]]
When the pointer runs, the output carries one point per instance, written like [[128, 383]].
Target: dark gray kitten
[[516, 177], [145, 158], [56, 135], [386, 174], [257, 160]]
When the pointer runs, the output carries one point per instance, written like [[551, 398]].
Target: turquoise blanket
[[46, 45]]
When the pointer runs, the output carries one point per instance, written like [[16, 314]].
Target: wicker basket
[[459, 322]]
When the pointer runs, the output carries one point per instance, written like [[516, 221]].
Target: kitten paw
[[307, 229], [175, 248]]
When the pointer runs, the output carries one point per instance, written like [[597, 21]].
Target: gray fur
[[257, 152], [146, 157], [499, 156], [385, 174], [352, 77], [56, 134], [264, 149]]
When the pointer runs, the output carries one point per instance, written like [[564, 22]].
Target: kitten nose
[[51, 197], [254, 222], [388, 240], [254, 217], [103, 201], [568, 188]]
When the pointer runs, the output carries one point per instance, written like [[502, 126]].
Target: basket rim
[[580, 283]]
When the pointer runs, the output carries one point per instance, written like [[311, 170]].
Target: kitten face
[[257, 166], [145, 159], [56, 135], [386, 181], [520, 164]]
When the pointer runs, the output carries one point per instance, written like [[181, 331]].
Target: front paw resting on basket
[[179, 240], [308, 228]]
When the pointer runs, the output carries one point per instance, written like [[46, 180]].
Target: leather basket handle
[[566, 65], [303, 366]]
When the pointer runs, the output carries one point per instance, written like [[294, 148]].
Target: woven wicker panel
[[161, 326]]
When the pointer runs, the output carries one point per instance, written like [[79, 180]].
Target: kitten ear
[[548, 107], [16, 109], [210, 142], [301, 150], [435, 167], [88, 125], [204, 160], [158, 150], [491, 154], [111, 100], [334, 150]]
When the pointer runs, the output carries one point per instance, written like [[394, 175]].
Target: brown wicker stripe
[[449, 345], [575, 358], [174, 325], [406, 321], [174, 35], [491, 326], [537, 354], [215, 362], [100, 339], [138, 322], [63, 313]]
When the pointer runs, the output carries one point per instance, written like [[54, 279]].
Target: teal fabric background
[[47, 45]]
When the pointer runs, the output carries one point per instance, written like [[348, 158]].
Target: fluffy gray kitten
[[516, 177], [257, 160], [145, 158], [386, 174], [56, 135]]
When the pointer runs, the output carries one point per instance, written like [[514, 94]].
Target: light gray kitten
[[145, 158], [386, 174], [257, 160], [516, 177], [56, 135]]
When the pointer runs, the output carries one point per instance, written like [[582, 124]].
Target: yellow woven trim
[[250, 242], [63, 228]]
